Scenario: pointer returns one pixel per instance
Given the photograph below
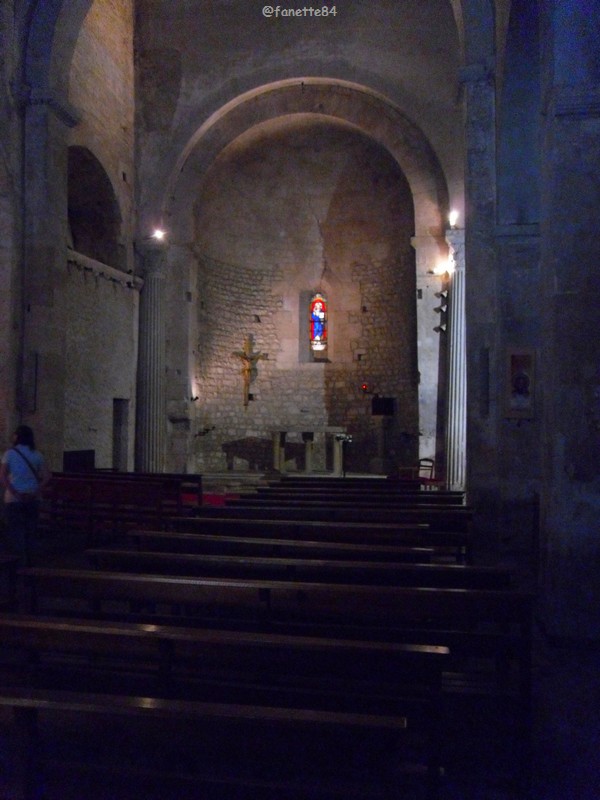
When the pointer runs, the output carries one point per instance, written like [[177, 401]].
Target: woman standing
[[23, 474]]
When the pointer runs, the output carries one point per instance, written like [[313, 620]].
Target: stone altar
[[308, 434]]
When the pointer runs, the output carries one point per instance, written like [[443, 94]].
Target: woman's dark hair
[[24, 435]]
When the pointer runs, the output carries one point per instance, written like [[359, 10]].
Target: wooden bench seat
[[377, 485], [458, 618], [171, 652], [219, 544], [412, 534], [181, 729], [369, 496], [104, 504], [324, 501], [347, 481], [192, 724], [259, 678], [488, 632], [8, 579], [458, 518], [302, 569]]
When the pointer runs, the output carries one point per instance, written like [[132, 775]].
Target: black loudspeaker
[[382, 406]]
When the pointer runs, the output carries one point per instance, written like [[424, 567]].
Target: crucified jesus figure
[[248, 359]]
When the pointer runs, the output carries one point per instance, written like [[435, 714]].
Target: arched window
[[318, 325], [94, 215]]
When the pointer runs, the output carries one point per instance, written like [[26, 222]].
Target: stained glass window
[[318, 324]]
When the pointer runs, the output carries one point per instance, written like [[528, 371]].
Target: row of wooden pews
[[335, 654], [101, 504]]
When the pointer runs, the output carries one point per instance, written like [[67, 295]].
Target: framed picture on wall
[[520, 384]]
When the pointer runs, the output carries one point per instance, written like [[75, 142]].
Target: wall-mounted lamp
[[194, 398], [441, 269], [443, 298], [453, 218], [440, 328], [158, 234]]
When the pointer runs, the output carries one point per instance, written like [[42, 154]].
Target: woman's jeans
[[21, 523]]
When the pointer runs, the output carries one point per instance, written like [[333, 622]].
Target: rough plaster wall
[[98, 357], [282, 214]]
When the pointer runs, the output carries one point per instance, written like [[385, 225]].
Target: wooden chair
[[425, 468]]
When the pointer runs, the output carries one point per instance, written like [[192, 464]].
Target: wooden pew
[[293, 568], [8, 579], [179, 483], [348, 481], [103, 507], [455, 518], [412, 534], [488, 632], [264, 678], [362, 503], [219, 544], [370, 496], [192, 725], [467, 621]]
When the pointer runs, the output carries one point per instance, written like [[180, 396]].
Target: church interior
[[254, 243]]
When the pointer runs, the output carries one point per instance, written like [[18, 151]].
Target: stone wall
[[570, 546], [9, 226], [305, 207], [99, 309], [99, 357]]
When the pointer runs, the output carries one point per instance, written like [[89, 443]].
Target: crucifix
[[248, 359]]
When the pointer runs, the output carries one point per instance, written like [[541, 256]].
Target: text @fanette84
[[282, 12]]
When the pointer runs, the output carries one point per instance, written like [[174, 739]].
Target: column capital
[[153, 256], [455, 237]]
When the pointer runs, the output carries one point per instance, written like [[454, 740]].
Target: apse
[[297, 207]]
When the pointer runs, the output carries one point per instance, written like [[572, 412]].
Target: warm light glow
[[158, 234], [453, 218]]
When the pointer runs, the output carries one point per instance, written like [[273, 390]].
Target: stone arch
[[93, 209], [376, 117], [53, 28], [369, 112]]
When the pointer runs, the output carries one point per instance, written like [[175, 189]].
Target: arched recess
[[93, 209], [377, 118], [52, 28], [368, 111], [50, 32]]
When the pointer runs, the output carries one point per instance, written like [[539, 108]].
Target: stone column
[[338, 455], [308, 439], [483, 334], [429, 254], [279, 438], [151, 383], [456, 423]]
